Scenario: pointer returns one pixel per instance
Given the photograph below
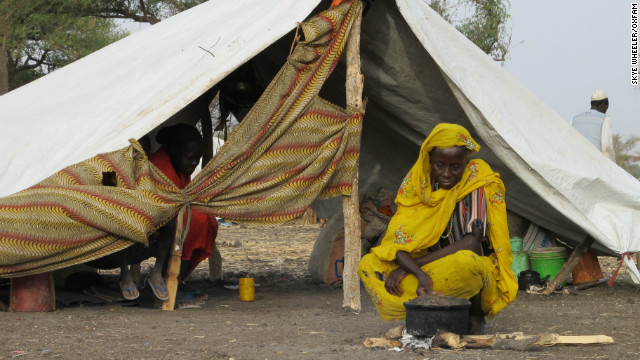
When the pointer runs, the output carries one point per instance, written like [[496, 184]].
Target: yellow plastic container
[[247, 288]]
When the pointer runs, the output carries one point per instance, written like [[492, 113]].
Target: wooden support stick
[[215, 261], [175, 260], [172, 279], [350, 203], [567, 268]]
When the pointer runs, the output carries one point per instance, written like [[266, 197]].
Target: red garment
[[203, 228]]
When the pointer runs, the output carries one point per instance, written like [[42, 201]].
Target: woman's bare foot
[[477, 325]]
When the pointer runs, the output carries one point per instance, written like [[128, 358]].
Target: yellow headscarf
[[423, 214]]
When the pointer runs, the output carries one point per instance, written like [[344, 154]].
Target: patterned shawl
[[292, 148]]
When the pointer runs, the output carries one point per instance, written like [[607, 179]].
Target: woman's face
[[186, 158], [447, 165]]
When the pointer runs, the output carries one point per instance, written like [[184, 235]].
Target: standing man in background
[[595, 125]]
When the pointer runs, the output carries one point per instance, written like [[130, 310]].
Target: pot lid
[[437, 301]]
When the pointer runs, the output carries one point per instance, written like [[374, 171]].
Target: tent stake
[[350, 203]]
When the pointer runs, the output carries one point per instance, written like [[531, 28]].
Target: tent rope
[[615, 273], [296, 37], [186, 207]]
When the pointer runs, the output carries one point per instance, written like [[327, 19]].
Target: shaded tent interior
[[409, 90], [407, 95]]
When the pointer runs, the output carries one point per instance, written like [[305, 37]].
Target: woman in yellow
[[449, 235]]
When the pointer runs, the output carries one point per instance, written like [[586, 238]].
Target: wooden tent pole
[[350, 203]]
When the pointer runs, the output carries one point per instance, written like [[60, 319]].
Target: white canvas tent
[[418, 70]]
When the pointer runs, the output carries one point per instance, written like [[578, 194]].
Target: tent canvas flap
[[545, 152], [126, 89], [418, 70]]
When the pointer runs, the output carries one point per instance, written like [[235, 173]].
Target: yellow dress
[[420, 220]]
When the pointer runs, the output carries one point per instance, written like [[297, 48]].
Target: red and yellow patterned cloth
[[292, 148]]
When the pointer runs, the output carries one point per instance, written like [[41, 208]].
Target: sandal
[[129, 292], [160, 291]]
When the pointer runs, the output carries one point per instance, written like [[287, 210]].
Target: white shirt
[[596, 127], [606, 140]]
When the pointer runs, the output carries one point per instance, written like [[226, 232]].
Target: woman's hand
[[425, 285], [409, 266], [477, 229], [392, 283]]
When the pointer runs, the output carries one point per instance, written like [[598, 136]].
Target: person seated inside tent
[[129, 262], [449, 235], [178, 158]]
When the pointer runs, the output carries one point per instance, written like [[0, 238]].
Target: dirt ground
[[293, 318]]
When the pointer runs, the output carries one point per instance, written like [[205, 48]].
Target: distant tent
[[418, 70]]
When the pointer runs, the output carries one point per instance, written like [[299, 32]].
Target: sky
[[564, 50]]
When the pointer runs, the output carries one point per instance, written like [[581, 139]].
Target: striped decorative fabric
[[471, 208], [292, 148]]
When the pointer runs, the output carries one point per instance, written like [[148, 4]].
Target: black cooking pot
[[427, 314], [530, 277]]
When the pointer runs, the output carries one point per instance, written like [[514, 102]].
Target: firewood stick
[[545, 339], [584, 339], [528, 342], [591, 284], [381, 343]]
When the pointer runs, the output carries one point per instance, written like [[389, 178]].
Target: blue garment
[[589, 124]]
